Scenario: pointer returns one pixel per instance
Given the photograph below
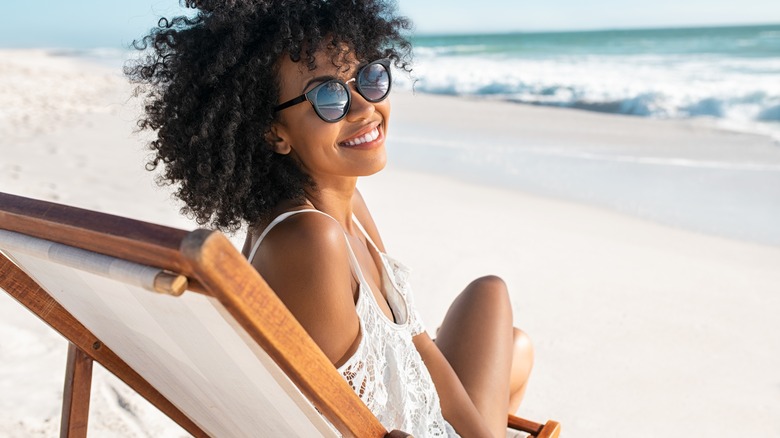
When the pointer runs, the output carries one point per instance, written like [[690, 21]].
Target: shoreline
[[113, 59], [672, 172], [680, 173]]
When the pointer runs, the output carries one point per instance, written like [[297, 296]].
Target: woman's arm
[[304, 260], [456, 405]]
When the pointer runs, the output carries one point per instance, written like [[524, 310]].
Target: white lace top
[[386, 371]]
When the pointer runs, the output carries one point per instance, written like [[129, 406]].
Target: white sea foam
[[647, 78], [635, 85]]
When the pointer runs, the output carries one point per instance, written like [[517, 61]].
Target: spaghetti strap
[[352, 258], [363, 230], [273, 223]]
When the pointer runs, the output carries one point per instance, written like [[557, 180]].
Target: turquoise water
[[740, 42], [730, 75]]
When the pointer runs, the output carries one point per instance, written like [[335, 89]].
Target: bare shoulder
[[305, 261], [361, 211], [306, 234]]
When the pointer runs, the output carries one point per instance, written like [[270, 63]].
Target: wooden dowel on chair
[[75, 397], [170, 284]]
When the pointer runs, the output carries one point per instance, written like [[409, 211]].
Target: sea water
[[730, 75]]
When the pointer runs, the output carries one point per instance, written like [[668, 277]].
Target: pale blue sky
[[89, 23], [518, 15]]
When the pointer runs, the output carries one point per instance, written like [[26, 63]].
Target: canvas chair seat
[[224, 359]]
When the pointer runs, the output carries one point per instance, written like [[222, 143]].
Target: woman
[[266, 114]]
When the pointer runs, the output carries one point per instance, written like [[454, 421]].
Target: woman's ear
[[276, 138]]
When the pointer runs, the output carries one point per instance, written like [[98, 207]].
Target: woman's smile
[[370, 137]]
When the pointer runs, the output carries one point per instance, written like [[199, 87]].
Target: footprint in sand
[[53, 194], [81, 161], [15, 171]]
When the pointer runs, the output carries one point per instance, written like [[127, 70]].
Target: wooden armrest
[[551, 429]]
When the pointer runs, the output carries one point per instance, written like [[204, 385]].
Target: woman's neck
[[335, 200]]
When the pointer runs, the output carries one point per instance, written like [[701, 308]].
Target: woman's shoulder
[[305, 260], [304, 234]]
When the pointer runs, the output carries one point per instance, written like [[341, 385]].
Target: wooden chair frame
[[213, 267]]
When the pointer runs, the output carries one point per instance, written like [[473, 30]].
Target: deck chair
[[184, 320]]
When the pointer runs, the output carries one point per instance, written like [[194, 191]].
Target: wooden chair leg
[[75, 397]]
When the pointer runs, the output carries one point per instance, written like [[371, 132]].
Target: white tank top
[[386, 371]]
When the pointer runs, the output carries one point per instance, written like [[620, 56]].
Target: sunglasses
[[332, 98]]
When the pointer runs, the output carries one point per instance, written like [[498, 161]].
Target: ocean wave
[[460, 49], [658, 86], [771, 114]]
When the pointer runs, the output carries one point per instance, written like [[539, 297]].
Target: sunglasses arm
[[289, 103]]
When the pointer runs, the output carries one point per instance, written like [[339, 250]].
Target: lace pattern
[[400, 280], [386, 370]]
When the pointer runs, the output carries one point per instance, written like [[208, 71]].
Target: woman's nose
[[360, 108]]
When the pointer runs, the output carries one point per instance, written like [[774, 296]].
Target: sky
[[114, 23], [453, 16]]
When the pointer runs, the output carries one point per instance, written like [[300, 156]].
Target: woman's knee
[[489, 282], [488, 292], [491, 285]]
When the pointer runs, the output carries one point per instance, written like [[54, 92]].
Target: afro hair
[[210, 86]]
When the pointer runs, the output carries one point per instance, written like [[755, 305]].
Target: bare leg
[[522, 363], [476, 337]]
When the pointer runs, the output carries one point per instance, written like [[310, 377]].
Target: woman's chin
[[376, 166]]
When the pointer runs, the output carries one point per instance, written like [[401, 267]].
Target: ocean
[[729, 75]]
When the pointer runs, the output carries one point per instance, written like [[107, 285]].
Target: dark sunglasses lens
[[374, 82], [332, 100]]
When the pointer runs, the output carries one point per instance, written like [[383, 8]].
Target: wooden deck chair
[[225, 359]]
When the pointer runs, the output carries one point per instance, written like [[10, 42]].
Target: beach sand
[[642, 327]]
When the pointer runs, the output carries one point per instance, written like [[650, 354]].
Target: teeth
[[371, 136]]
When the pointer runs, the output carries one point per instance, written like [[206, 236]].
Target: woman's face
[[330, 150]]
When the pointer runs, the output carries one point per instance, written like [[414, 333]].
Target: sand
[[642, 327]]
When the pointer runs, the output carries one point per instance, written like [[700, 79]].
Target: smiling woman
[[215, 86], [266, 113], [356, 148]]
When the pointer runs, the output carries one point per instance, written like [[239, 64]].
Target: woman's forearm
[[456, 405]]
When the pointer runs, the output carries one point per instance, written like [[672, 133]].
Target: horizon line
[[590, 30]]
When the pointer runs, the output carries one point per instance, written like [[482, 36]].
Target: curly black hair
[[211, 84]]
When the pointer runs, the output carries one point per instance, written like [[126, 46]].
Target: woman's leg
[[522, 363], [476, 337]]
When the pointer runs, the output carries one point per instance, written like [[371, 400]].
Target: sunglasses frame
[[311, 95]]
